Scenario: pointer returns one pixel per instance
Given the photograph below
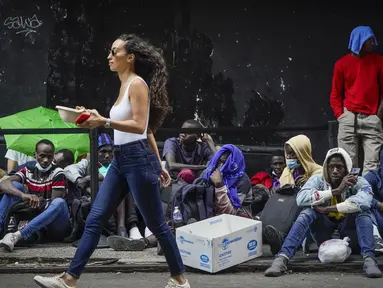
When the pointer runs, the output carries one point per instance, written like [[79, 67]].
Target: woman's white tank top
[[123, 111]]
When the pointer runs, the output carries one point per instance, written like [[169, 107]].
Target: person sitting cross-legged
[[335, 200], [44, 180]]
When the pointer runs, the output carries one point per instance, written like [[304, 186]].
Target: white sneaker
[[9, 241], [51, 282], [174, 284]]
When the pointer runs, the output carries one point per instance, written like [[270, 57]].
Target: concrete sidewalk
[[54, 258]]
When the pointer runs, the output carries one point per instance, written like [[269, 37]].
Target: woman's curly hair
[[150, 65]]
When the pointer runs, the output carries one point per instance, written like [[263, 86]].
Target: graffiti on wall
[[23, 25]]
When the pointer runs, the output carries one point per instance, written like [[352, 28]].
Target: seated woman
[[226, 171], [300, 166]]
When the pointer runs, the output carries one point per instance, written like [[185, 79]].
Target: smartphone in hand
[[355, 171], [82, 118]]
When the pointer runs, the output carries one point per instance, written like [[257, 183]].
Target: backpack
[[167, 195], [80, 211], [281, 210], [260, 196], [195, 201]]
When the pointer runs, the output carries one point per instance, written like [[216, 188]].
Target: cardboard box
[[220, 242]]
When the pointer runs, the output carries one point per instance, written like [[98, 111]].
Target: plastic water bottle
[[336, 235], [177, 218], [12, 225]]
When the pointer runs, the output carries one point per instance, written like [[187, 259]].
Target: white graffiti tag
[[22, 24]]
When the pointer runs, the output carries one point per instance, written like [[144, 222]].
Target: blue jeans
[[135, 164], [55, 218], [357, 226], [378, 217]]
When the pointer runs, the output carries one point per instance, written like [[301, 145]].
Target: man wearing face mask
[[79, 173], [300, 166], [187, 155], [337, 200], [44, 180]]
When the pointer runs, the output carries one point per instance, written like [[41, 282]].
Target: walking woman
[[143, 75]]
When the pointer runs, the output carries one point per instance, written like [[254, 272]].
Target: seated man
[[266, 182], [300, 166], [44, 180], [269, 179], [79, 173], [62, 158], [186, 156], [375, 178], [226, 172], [350, 198]]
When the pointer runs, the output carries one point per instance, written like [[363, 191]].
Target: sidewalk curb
[[260, 266]]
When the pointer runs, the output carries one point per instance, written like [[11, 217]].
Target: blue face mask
[[103, 170], [41, 169], [292, 163]]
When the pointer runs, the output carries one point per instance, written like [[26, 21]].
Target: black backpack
[[167, 195], [195, 201], [281, 210], [80, 211]]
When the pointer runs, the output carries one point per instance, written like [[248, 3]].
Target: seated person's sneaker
[[51, 282], [9, 241], [371, 269], [119, 243], [275, 238], [278, 267], [174, 284], [151, 241]]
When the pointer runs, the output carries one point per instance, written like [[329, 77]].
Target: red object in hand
[[82, 118]]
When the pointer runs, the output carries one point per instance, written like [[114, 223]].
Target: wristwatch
[[107, 123]]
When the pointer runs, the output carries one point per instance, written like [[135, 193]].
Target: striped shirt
[[42, 186]]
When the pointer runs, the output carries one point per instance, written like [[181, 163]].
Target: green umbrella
[[41, 117]]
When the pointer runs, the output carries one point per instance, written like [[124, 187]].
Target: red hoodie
[[262, 178], [357, 84]]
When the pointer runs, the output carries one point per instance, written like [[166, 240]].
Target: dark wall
[[25, 27], [244, 64], [285, 53]]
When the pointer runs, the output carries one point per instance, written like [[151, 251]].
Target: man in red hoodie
[[357, 90]]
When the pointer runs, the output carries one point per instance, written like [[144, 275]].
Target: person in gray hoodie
[[335, 201]]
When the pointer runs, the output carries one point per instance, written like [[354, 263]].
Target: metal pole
[[332, 134], [93, 163]]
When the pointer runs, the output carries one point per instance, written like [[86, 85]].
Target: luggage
[[281, 210]]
